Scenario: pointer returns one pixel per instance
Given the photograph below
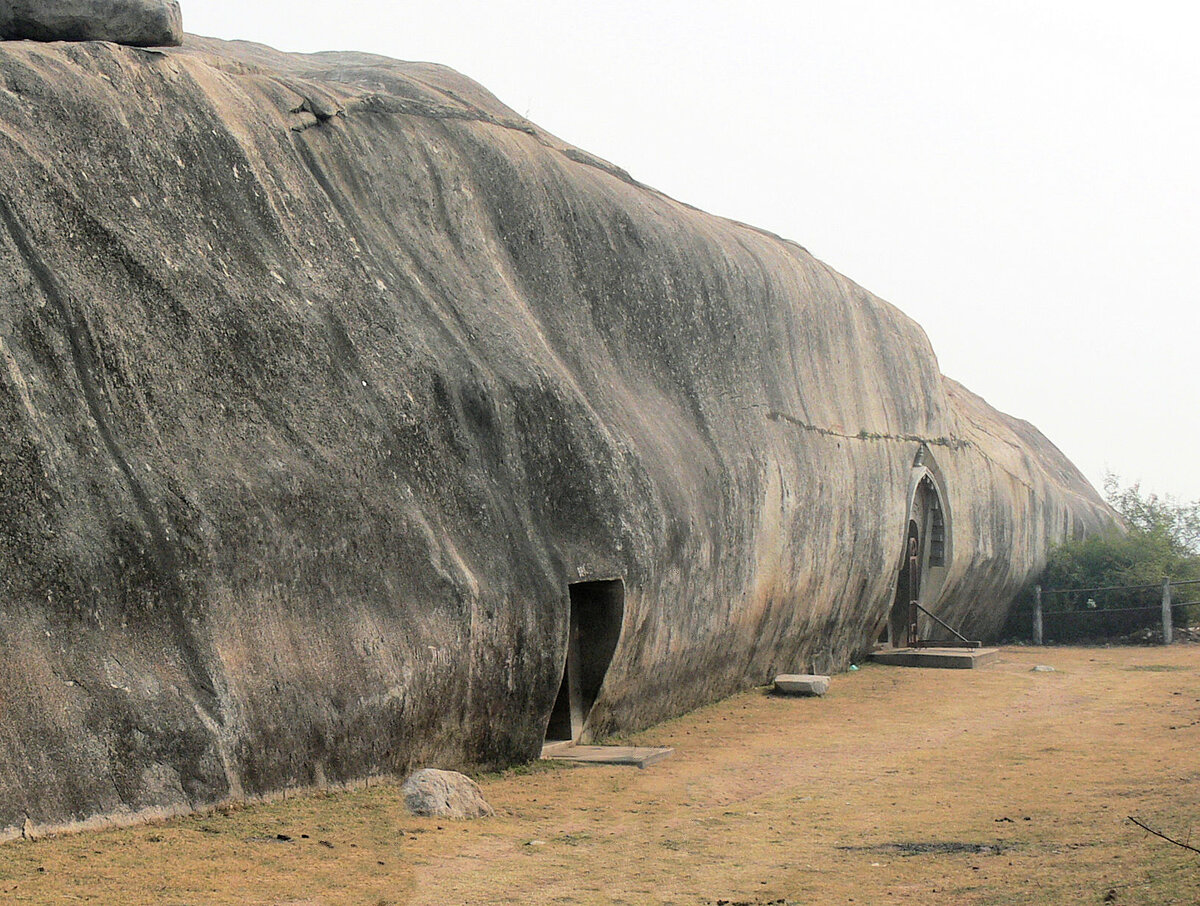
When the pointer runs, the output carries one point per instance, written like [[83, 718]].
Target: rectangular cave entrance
[[597, 610]]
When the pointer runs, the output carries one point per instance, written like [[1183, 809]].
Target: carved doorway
[[908, 588], [925, 557], [597, 611]]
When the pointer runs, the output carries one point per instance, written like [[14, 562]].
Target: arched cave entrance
[[925, 556], [597, 612]]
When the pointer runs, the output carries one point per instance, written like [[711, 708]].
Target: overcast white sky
[[1021, 178]]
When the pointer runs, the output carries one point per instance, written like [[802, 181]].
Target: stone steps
[[940, 658], [636, 756]]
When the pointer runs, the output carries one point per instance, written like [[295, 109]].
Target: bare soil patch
[[993, 786]]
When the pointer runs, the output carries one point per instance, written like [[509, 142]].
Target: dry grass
[[994, 786]]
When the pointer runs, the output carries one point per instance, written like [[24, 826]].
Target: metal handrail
[[962, 638]]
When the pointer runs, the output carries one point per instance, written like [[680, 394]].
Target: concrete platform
[[637, 756], [944, 658]]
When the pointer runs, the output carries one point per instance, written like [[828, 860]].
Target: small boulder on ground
[[141, 23], [444, 794], [801, 684]]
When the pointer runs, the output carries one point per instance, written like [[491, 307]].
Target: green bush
[[1159, 538]]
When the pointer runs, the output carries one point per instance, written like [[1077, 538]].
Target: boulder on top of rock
[[801, 684], [141, 23], [444, 794]]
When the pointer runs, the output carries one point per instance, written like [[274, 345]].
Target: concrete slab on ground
[[801, 684], [637, 756], [944, 658]]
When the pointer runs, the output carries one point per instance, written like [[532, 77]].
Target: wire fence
[[1158, 612]]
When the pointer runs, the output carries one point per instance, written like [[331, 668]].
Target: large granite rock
[[323, 377], [444, 794], [142, 23]]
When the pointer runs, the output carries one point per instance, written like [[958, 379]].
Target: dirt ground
[[994, 786]]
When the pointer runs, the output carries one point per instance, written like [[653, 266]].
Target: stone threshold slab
[[637, 756], [940, 658]]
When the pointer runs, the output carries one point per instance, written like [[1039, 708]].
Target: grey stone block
[[801, 684]]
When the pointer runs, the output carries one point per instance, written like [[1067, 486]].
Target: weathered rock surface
[[444, 794], [801, 684], [142, 23], [322, 377]]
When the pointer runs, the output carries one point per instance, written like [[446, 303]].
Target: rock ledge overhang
[[139, 23]]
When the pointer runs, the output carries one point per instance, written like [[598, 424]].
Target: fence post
[[1037, 615], [1166, 613]]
